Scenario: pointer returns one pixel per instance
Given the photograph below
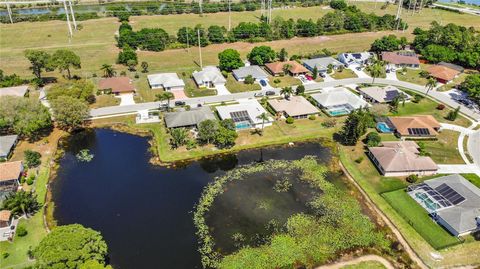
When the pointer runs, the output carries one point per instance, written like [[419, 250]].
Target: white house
[[253, 70], [322, 64], [167, 81], [245, 114], [355, 58], [209, 76], [339, 101]]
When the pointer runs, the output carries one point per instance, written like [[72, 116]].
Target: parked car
[[322, 75], [263, 83], [309, 77], [269, 93], [359, 68], [258, 94], [199, 105], [179, 103]]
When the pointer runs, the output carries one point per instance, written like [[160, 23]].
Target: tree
[[471, 85], [207, 130], [396, 102], [131, 65], [64, 60], [436, 53], [356, 126], [286, 68], [264, 118], [108, 70], [431, 84], [453, 114], [39, 60], [306, 28], [186, 35], [373, 139], [152, 39], [229, 59], [128, 54], [261, 55], [300, 90], [386, 43], [338, 4], [315, 72], [226, 134], [376, 70], [179, 137], [283, 55], [10, 80], [216, 34], [32, 158], [21, 203], [70, 246], [94, 265], [26, 117], [286, 92], [168, 96], [144, 66], [69, 113], [249, 79]]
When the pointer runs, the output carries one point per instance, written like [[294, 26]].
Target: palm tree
[[108, 70], [376, 70], [431, 83], [160, 97], [168, 96], [286, 68], [21, 202], [264, 118], [286, 91]]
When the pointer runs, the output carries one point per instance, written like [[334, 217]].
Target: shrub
[[32, 158], [276, 81], [123, 73], [359, 159], [290, 120], [30, 179], [136, 75], [441, 107], [249, 79], [21, 231], [5, 255], [94, 75], [330, 123], [312, 117], [373, 139], [417, 98], [412, 178]]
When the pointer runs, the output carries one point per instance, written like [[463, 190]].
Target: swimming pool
[[383, 127], [242, 125], [339, 112]]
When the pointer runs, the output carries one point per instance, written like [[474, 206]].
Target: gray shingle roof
[[321, 63], [6, 144], [254, 70], [188, 118]]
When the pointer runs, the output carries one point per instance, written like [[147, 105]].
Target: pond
[[144, 211]]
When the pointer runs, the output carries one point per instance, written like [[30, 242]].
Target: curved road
[[366, 258]]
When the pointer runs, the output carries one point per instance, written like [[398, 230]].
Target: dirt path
[[413, 255], [367, 258]]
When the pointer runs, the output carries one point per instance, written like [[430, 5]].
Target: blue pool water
[[339, 112], [242, 125], [383, 127]]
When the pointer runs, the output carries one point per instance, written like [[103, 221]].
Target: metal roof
[[189, 117], [253, 70]]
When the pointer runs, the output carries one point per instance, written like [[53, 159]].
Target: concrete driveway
[[360, 74], [222, 90], [392, 75], [126, 99], [473, 146]]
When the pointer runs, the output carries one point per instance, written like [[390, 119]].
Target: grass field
[[418, 218], [412, 76], [346, 73], [365, 265], [235, 86], [444, 150]]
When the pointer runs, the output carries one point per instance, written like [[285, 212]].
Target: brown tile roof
[[10, 170], [277, 67], [117, 84], [399, 58], [402, 156], [5, 215], [295, 106], [443, 72], [402, 124]]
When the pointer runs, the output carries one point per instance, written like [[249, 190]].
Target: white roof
[[209, 73], [14, 91], [339, 96], [357, 56], [253, 70], [167, 80], [321, 63], [251, 106]]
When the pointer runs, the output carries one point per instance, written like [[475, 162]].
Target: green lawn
[[472, 178], [105, 100], [191, 89], [418, 218], [283, 81], [412, 76], [345, 73], [235, 86], [444, 150], [365, 265]]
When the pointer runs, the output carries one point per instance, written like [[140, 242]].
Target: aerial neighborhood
[[388, 108]]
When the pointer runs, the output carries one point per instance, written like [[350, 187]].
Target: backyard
[[283, 81], [444, 150]]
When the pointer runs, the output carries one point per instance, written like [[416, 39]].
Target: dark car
[[179, 103], [269, 93], [199, 105], [263, 83]]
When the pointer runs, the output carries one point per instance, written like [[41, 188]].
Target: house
[[166, 81], [401, 158], [188, 118], [5, 218], [322, 64], [294, 68], [10, 173], [19, 91], [355, 58], [118, 85], [253, 70], [209, 77], [452, 201], [7, 144], [338, 101], [8, 225], [400, 59], [381, 95], [296, 107], [444, 72], [245, 114], [425, 126]]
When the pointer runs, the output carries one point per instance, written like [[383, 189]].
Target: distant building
[[294, 68], [10, 173], [5, 218], [7, 144], [8, 225], [381, 95], [322, 64], [19, 91], [444, 72], [245, 115], [400, 59], [188, 118], [424, 126], [166, 81], [452, 201], [252, 70], [355, 58], [209, 77], [400, 158], [118, 85], [296, 107], [338, 101]]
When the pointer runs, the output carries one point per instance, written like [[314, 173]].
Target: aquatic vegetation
[[84, 155]]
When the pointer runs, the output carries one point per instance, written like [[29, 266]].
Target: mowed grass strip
[[418, 218]]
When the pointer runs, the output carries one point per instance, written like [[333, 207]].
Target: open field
[[95, 43]]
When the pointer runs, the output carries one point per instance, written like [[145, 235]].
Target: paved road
[[461, 9], [473, 147], [106, 111], [366, 258]]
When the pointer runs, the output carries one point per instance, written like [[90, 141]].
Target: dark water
[[144, 211]]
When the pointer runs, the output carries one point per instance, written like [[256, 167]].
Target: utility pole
[[414, 6], [269, 11], [263, 8], [200, 4], [9, 13], [188, 46], [229, 15], [68, 18], [199, 48], [399, 12], [73, 15]]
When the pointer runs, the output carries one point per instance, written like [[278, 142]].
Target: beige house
[[401, 158], [10, 173], [418, 127], [296, 107]]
